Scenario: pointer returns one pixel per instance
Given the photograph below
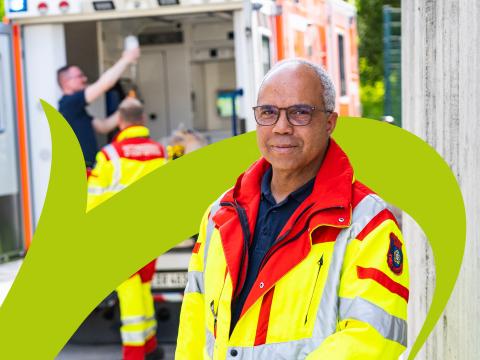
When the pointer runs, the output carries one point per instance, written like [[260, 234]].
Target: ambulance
[[201, 64]]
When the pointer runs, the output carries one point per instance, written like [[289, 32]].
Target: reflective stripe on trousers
[[138, 337]]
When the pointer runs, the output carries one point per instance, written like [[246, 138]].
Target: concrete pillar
[[441, 104]]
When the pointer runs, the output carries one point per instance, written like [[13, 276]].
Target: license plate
[[170, 280]]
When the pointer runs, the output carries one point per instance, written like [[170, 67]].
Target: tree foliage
[[370, 31], [2, 10]]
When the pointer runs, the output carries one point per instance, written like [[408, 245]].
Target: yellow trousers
[[137, 313]]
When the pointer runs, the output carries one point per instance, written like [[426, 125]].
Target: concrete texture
[[441, 104]]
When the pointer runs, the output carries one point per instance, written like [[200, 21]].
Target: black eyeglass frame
[[313, 108]]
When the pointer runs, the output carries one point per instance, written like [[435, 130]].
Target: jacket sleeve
[[192, 329], [373, 296], [99, 181]]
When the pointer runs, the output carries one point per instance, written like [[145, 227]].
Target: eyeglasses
[[297, 115]]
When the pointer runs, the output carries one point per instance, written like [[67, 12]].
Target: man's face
[[287, 147], [75, 80]]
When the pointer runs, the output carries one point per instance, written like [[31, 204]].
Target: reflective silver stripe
[[365, 211], [298, 349], [134, 336], [133, 320], [209, 338], [115, 159], [210, 227], [99, 190], [389, 326], [195, 282], [210, 343], [94, 190], [327, 314]]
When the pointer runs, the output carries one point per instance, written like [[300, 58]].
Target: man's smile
[[283, 148]]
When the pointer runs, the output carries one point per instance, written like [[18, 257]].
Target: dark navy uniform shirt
[[73, 109], [271, 219]]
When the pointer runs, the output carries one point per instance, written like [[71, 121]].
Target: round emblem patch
[[395, 255]]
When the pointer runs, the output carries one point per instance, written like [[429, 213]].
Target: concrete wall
[[441, 104]]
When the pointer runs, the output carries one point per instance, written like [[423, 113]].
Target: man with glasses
[[77, 95], [298, 260]]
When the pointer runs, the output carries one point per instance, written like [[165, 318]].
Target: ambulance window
[[265, 54], [341, 59]]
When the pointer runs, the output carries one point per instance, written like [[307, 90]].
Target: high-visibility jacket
[[130, 156], [333, 286]]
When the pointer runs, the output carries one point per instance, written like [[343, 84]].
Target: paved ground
[[102, 352]]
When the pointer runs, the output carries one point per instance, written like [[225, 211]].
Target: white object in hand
[[131, 42]]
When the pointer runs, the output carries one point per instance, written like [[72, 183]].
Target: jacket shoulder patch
[[395, 255]]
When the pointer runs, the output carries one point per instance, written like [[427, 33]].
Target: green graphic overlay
[[76, 259]]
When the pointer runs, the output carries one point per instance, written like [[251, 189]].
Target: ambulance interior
[[186, 61]]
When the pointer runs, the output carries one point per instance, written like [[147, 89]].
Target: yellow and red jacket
[[333, 286], [131, 155]]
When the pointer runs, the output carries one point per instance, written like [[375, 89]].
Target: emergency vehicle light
[[64, 6], [17, 6], [42, 7]]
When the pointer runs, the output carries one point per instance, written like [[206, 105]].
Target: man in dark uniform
[[77, 95]]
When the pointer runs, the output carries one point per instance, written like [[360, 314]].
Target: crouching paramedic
[[130, 156], [298, 260]]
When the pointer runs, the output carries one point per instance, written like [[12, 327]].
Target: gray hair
[[323, 76], [131, 110]]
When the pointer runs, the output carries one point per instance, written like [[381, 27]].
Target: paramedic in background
[[78, 94], [130, 156]]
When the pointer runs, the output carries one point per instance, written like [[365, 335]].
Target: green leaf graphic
[[76, 259]]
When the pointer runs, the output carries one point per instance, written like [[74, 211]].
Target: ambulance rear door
[[11, 237]]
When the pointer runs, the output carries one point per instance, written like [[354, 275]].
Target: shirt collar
[[299, 195]]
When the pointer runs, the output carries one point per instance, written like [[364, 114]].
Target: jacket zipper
[[214, 313], [320, 264]]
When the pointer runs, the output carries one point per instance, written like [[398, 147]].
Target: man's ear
[[331, 122]]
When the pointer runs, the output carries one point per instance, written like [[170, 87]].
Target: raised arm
[[111, 76]]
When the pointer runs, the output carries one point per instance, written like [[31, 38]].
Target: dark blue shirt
[[73, 109], [271, 219]]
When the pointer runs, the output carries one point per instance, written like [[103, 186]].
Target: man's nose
[[283, 126]]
